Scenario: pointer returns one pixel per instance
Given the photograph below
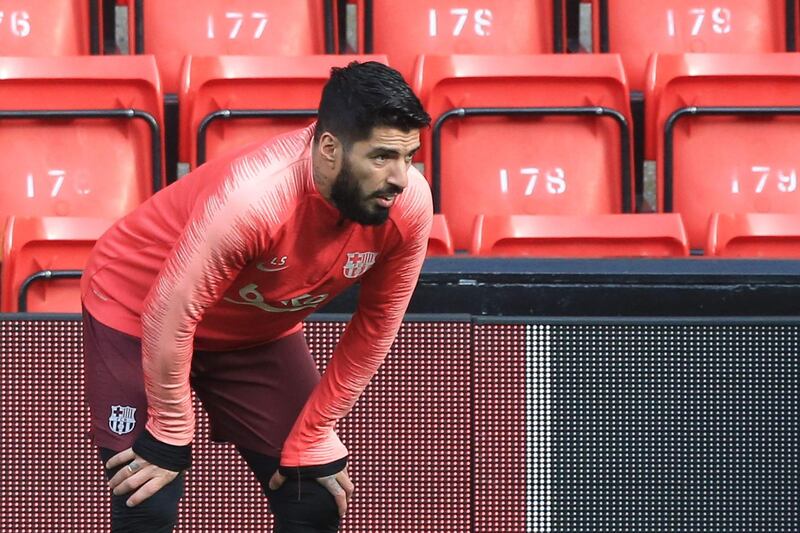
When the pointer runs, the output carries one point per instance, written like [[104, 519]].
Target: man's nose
[[399, 176]]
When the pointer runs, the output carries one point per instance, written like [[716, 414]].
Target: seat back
[[635, 29], [458, 27], [723, 129], [79, 136], [52, 28], [177, 28], [521, 158], [233, 100], [41, 245]]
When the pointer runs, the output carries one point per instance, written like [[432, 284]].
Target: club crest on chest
[[358, 263]]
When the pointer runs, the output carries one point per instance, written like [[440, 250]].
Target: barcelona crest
[[358, 263], [122, 419]]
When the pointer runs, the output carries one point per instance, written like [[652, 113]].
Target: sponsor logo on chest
[[250, 295], [358, 263]]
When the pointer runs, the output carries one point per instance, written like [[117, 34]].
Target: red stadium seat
[[546, 134], [440, 242], [723, 130], [645, 235], [174, 29], [79, 136], [754, 235], [637, 28], [52, 28], [232, 100], [458, 27], [53, 250]]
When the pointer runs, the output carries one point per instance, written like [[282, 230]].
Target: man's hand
[[138, 475], [339, 485]]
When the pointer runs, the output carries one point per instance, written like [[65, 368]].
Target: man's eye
[[380, 158]]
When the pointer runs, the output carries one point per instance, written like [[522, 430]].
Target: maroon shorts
[[252, 396]]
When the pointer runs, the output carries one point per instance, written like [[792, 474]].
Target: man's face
[[374, 172]]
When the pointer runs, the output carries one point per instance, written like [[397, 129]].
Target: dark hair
[[362, 96]]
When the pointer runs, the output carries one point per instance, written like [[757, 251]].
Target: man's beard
[[349, 200]]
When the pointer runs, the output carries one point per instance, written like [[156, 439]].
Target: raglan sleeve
[[312, 445], [223, 233]]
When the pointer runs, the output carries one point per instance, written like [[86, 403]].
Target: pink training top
[[238, 253]]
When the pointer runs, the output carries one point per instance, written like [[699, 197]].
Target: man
[[206, 284]]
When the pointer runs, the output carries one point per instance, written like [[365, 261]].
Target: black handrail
[[436, 171], [558, 26], [573, 15], [228, 114], [155, 131], [139, 25], [669, 130], [22, 298], [604, 26], [369, 36], [94, 28], [341, 7], [330, 28]]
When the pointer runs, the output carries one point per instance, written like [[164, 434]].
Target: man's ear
[[330, 150]]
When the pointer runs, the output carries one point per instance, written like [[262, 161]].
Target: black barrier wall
[[485, 425]]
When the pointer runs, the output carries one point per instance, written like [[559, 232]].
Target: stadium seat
[[723, 129], [754, 235], [79, 136], [229, 101], [458, 27], [642, 235], [636, 28], [440, 242], [177, 28], [43, 256], [52, 28], [543, 134]]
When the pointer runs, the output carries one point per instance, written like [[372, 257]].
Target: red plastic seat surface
[[754, 235], [626, 235], [177, 28], [513, 165], [638, 28], [34, 244], [211, 84], [404, 30], [725, 164], [39, 28], [83, 166]]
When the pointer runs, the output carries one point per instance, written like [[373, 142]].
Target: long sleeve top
[[238, 253]]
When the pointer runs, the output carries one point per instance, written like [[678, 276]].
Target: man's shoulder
[[265, 179], [262, 165], [277, 152]]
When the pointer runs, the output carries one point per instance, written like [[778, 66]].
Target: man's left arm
[[386, 289]]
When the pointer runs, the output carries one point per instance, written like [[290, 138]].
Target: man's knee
[[303, 506], [299, 506], [157, 514]]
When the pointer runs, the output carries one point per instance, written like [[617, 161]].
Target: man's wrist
[[169, 456]]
